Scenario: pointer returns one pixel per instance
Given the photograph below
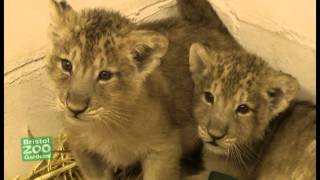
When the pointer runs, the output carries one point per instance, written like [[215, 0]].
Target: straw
[[62, 166]]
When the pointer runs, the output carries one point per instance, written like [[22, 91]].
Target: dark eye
[[209, 97], [243, 109], [105, 75], [66, 65]]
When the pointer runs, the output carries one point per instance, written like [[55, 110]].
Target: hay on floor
[[61, 167]]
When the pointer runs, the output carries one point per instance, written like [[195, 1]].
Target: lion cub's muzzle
[[77, 103]]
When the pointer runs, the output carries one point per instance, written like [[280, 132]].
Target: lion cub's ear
[[199, 61], [59, 12], [62, 17], [280, 90], [146, 49]]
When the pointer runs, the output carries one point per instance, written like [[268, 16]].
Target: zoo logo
[[36, 148]]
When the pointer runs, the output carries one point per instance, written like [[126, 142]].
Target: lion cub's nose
[[217, 130], [77, 104], [217, 134]]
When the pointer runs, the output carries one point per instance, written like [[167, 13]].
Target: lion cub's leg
[[92, 166], [165, 163]]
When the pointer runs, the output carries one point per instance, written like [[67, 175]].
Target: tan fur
[[126, 121], [292, 151], [234, 78]]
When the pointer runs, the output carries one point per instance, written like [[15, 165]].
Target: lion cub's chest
[[118, 150]]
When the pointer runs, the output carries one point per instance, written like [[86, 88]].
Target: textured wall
[[281, 32]]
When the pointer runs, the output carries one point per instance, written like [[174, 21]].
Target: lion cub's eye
[[105, 75], [243, 109], [66, 65], [208, 97]]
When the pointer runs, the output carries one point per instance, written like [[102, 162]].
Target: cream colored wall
[[283, 32]]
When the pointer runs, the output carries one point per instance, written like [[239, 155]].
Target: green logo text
[[36, 148]]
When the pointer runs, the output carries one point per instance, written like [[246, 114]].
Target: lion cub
[[250, 127], [105, 72]]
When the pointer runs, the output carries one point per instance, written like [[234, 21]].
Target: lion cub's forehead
[[237, 73], [94, 38], [89, 55]]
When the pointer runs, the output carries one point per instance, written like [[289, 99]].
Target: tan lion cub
[[247, 119], [116, 112]]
